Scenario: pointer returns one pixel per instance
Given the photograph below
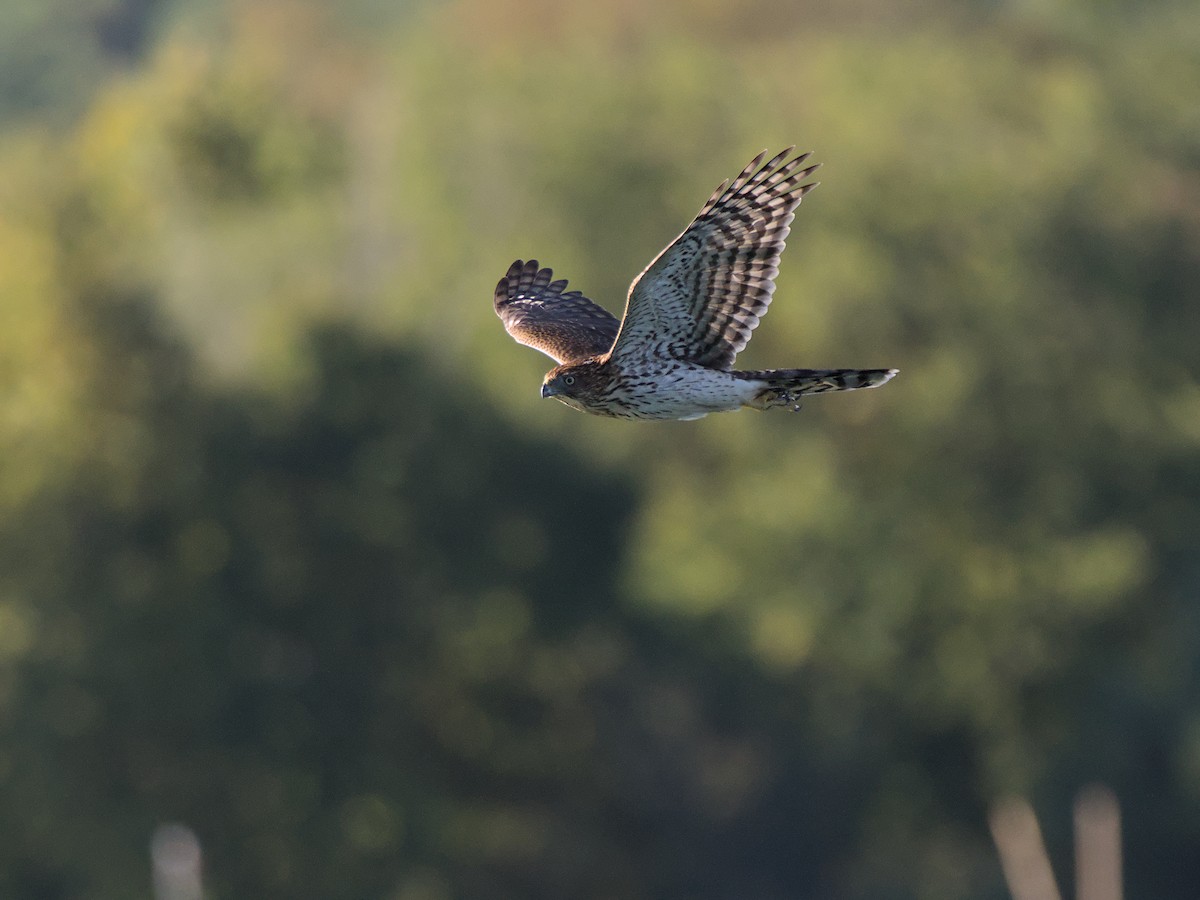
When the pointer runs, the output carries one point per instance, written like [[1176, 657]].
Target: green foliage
[[374, 621], [53, 53], [316, 616]]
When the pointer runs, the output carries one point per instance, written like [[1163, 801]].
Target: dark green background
[[292, 553]]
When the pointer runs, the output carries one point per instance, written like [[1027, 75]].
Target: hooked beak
[[548, 390]]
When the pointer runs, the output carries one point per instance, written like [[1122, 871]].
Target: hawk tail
[[785, 387]]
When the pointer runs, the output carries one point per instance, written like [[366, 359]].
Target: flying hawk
[[687, 316]]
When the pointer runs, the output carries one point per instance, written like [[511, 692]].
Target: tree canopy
[[291, 551]]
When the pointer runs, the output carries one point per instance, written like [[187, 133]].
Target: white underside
[[693, 392]]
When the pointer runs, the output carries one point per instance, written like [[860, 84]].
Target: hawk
[[687, 316]]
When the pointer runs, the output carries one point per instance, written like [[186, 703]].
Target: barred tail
[[785, 387]]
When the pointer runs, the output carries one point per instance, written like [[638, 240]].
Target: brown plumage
[[687, 316]]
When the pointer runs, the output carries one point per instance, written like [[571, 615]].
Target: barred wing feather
[[542, 314], [705, 293]]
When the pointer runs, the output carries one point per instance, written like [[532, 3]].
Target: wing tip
[[509, 286]]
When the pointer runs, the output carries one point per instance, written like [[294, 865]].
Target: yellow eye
[[569, 379]]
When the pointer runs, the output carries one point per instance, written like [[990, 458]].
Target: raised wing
[[539, 313], [705, 293]]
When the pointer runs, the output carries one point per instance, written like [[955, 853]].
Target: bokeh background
[[292, 553]]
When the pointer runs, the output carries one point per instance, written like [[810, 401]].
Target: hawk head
[[581, 385]]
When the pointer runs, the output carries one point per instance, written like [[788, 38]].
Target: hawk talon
[[787, 398]]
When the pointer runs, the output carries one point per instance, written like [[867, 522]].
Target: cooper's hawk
[[687, 316]]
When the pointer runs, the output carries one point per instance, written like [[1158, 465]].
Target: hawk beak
[[548, 390]]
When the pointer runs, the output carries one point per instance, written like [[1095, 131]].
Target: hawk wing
[[562, 324], [705, 293]]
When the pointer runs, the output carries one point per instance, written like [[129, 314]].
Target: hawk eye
[[569, 379]]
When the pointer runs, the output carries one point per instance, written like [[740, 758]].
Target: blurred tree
[[363, 642], [325, 619], [54, 54], [359, 629]]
